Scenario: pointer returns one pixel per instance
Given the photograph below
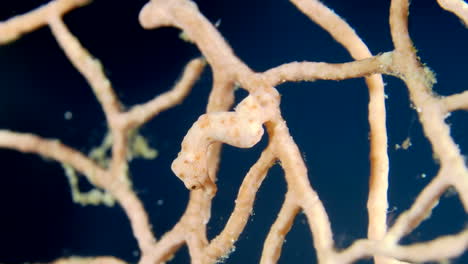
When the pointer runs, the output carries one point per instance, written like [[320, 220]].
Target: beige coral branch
[[55, 150], [455, 102], [142, 113], [15, 27], [88, 66], [80, 260], [414, 253], [378, 183], [458, 7], [311, 71], [244, 204]]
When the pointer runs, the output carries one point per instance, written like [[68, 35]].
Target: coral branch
[[15, 27], [140, 114], [458, 7], [55, 150], [88, 66]]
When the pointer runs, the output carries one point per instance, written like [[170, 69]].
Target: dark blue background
[[327, 119]]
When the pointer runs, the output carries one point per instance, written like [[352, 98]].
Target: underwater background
[[41, 92]]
